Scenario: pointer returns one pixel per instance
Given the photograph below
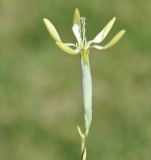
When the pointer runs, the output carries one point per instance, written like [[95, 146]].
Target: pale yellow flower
[[82, 47], [79, 31]]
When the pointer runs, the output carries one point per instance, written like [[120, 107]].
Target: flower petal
[[101, 36], [52, 30], [70, 45], [97, 47], [67, 49], [115, 39], [76, 25]]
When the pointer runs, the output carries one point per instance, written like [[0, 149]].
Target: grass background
[[40, 87]]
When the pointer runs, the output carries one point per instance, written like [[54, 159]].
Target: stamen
[[83, 30]]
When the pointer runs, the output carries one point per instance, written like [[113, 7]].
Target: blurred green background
[[40, 87]]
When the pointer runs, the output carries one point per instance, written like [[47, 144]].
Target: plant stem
[[87, 99], [87, 89], [83, 145]]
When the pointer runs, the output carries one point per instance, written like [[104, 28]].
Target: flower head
[[79, 30]]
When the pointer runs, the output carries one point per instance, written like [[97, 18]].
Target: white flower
[[79, 31], [82, 47]]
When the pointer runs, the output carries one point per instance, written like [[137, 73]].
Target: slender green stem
[[83, 144]]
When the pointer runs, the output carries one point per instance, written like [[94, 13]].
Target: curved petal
[[101, 36], [52, 30], [115, 39], [97, 47], [76, 25], [67, 49], [70, 45]]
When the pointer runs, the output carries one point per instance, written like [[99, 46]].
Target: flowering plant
[[82, 47]]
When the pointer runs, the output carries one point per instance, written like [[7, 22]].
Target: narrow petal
[[67, 49], [70, 45], [115, 39], [76, 25], [101, 36], [52, 30], [97, 47]]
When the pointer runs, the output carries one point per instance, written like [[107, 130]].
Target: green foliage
[[40, 98]]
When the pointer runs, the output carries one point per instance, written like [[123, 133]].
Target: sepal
[[115, 39], [77, 25], [67, 49], [101, 36], [52, 30]]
